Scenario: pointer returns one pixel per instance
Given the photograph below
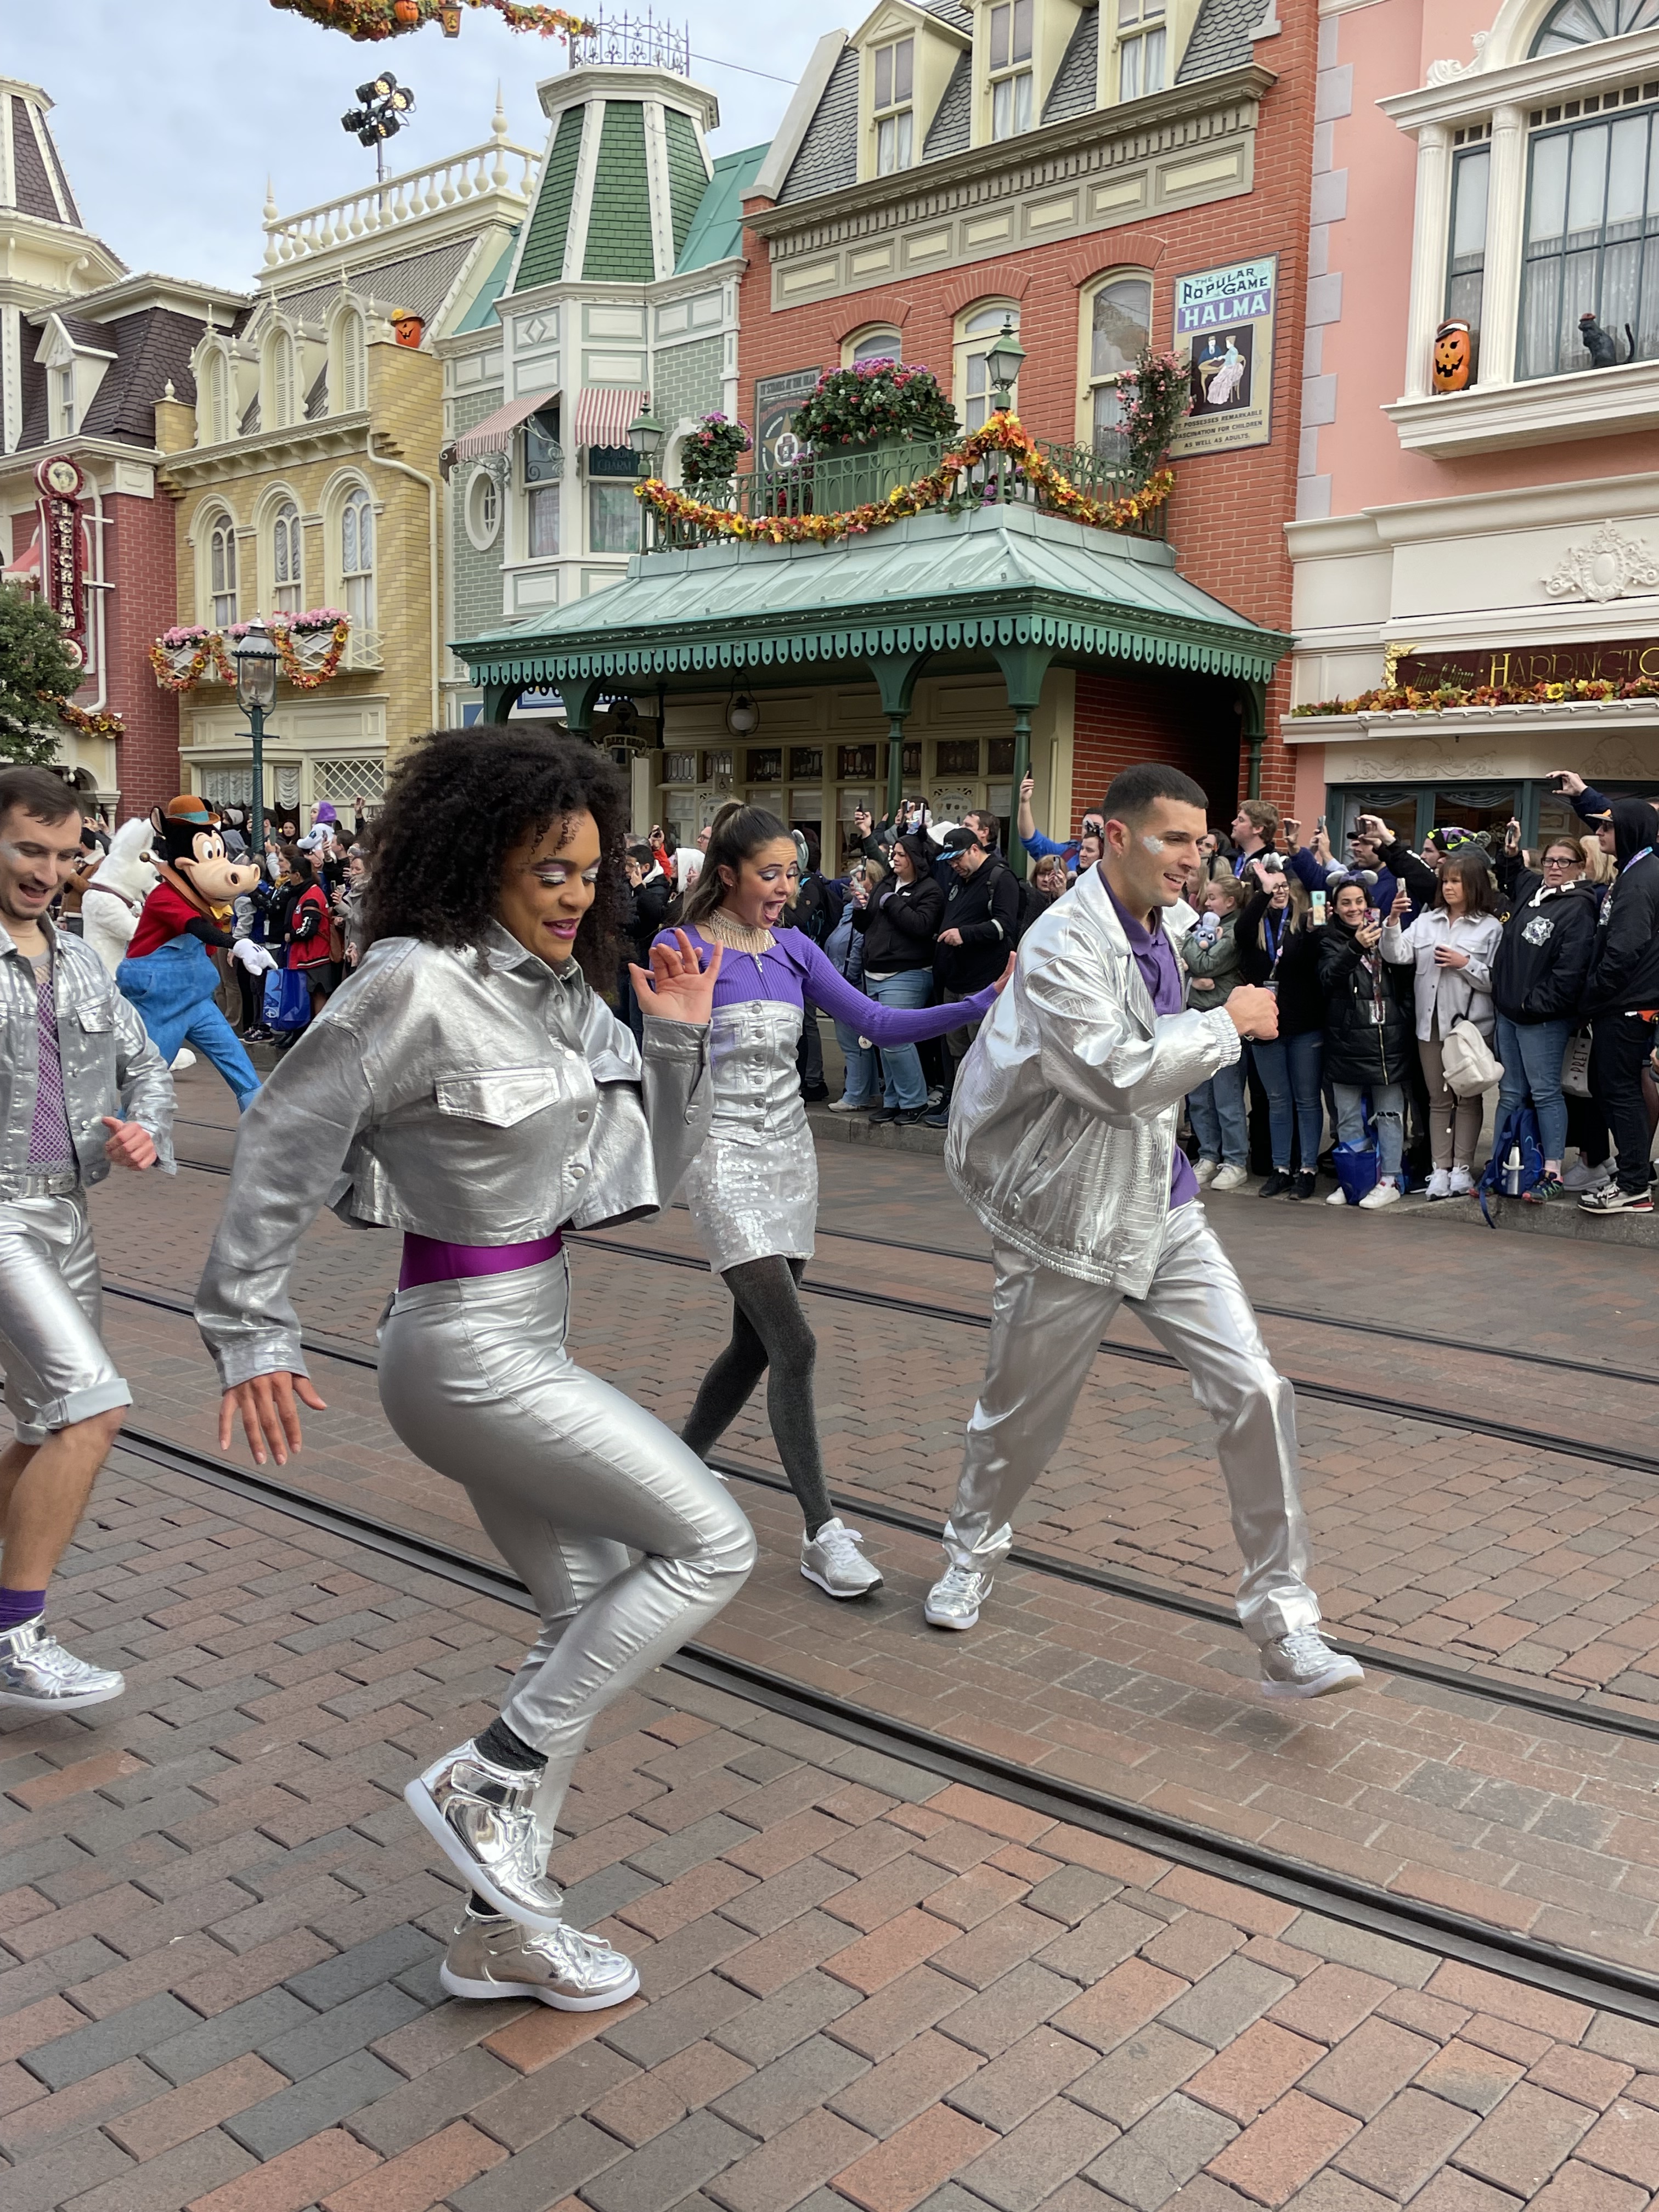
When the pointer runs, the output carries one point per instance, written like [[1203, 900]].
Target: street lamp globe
[[646, 435], [257, 667], [1004, 362]]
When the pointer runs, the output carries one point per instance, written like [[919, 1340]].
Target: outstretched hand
[[269, 1416], [677, 988]]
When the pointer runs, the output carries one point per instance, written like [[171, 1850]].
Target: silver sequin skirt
[[753, 1193]]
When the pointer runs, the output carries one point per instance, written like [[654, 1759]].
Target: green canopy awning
[[975, 584]]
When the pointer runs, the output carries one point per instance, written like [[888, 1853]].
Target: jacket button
[[583, 1117]]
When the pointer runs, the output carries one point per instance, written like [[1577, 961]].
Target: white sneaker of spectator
[[1462, 1182], [1440, 1185], [1207, 1171], [1385, 1193], [1231, 1178]]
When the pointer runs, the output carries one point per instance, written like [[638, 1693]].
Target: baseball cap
[[959, 841]]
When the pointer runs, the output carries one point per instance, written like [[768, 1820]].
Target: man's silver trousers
[[57, 1369], [568, 1478], [1045, 1327]]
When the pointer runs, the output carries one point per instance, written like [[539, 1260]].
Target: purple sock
[[18, 1606]]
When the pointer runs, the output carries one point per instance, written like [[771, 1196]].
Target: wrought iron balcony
[[838, 482]]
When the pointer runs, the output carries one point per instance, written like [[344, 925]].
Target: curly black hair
[[458, 803]]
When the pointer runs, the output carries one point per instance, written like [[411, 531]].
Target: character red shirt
[[166, 916]]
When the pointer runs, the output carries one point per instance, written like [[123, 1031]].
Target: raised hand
[[678, 987]]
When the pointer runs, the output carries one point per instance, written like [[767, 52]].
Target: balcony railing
[[364, 649], [835, 484], [632, 42], [476, 174]]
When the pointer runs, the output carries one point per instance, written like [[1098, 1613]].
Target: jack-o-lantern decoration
[[1453, 356], [407, 328]]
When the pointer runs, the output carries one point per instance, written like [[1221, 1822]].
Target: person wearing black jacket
[[1538, 979], [1622, 995], [1278, 945], [1370, 1037], [899, 922], [981, 927]]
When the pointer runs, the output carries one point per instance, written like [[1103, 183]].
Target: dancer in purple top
[[753, 1188]]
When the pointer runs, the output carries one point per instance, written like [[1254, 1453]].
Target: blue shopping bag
[[1355, 1165], [286, 1000]]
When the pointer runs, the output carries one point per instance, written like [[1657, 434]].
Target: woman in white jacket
[[1450, 947]]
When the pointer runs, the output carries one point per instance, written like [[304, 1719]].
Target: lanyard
[[1274, 935], [1634, 858]]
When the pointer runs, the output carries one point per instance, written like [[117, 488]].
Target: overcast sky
[[170, 113]]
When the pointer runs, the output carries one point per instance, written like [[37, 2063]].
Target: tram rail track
[[1608, 1985], [1167, 1597]]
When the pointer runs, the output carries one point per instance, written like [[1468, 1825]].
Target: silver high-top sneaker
[[35, 1671], [1302, 1665], [480, 1816], [563, 1968]]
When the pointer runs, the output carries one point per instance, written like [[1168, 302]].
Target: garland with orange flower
[[105, 723], [1004, 433], [207, 648], [368, 21], [301, 677]]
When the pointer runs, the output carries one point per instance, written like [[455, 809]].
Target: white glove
[[252, 956]]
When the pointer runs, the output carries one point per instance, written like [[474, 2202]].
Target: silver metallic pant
[[1045, 1327], [568, 1477], [57, 1372]]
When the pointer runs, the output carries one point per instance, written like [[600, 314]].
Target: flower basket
[[710, 455], [876, 399]]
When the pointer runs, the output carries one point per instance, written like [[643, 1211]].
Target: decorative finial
[[270, 209], [167, 391], [498, 128]]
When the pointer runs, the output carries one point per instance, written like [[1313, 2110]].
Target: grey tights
[[770, 1336]]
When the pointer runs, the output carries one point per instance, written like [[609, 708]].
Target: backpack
[[1517, 1131]]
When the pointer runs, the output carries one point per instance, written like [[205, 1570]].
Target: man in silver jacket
[[81, 1086], [1063, 1141], [466, 1086]]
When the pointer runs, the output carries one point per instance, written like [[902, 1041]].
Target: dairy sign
[[60, 484], [1223, 324]]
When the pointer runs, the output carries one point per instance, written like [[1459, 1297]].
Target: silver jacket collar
[[1064, 1118]]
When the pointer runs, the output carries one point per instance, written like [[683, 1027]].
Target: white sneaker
[[558, 1966], [1440, 1183], [1302, 1665], [955, 1598], [850, 1105], [1338, 1197], [1231, 1178], [1581, 1175], [1207, 1171], [1462, 1182], [833, 1560], [1381, 1194]]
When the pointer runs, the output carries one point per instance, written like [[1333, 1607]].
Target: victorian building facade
[[621, 286], [1479, 510], [88, 354], [305, 468]]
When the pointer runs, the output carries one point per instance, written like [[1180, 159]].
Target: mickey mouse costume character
[[166, 974]]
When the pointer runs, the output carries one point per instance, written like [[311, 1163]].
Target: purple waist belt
[[429, 1260]]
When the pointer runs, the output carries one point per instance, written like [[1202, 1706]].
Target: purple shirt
[[1160, 971], [795, 970], [50, 1146]]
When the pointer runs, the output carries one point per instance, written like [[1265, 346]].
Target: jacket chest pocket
[[502, 1097]]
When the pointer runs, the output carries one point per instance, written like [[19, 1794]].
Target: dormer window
[[895, 71], [1141, 45], [67, 425], [1010, 57]]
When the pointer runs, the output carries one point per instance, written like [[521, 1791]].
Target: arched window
[[278, 409], [222, 570], [881, 344], [1583, 22], [349, 382], [1120, 321], [286, 573], [357, 560], [217, 425], [976, 332]]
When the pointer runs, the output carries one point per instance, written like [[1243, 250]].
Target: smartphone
[[1317, 902], [1558, 781], [1320, 824], [1374, 916]]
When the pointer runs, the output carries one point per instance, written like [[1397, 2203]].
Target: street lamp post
[[645, 435], [256, 664]]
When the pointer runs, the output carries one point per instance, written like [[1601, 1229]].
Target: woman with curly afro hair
[[465, 1086]]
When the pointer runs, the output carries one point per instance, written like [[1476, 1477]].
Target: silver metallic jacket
[[110, 1065], [480, 1097], [1064, 1118]]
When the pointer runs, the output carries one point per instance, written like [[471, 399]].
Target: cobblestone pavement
[[864, 1989]]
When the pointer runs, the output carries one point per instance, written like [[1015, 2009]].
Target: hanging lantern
[[1453, 356], [449, 15]]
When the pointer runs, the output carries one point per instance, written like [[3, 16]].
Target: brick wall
[[1121, 719], [138, 551], [687, 380], [476, 594], [1228, 511]]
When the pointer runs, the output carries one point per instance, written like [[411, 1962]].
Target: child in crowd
[[1216, 1108]]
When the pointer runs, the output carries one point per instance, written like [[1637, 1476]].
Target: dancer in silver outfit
[[466, 1086], [81, 1086], [1063, 1141], [753, 1188]]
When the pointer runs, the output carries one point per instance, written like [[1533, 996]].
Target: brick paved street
[[864, 1989]]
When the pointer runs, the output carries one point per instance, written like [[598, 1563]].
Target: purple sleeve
[[882, 1024]]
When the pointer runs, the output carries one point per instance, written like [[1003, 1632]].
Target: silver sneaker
[[561, 1966], [36, 1670], [1302, 1665], [479, 1815], [833, 1560], [955, 1598]]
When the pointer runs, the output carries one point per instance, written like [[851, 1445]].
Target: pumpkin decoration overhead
[[1453, 356], [370, 19]]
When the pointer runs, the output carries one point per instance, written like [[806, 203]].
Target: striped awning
[[603, 417], [494, 433]]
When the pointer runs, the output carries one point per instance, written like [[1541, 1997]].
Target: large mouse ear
[[157, 821]]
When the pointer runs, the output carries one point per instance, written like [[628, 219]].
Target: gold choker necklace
[[719, 925]]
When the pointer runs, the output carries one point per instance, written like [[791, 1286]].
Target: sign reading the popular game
[[1225, 318]]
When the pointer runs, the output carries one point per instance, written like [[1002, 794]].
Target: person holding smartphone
[[1449, 948], [1368, 1038]]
